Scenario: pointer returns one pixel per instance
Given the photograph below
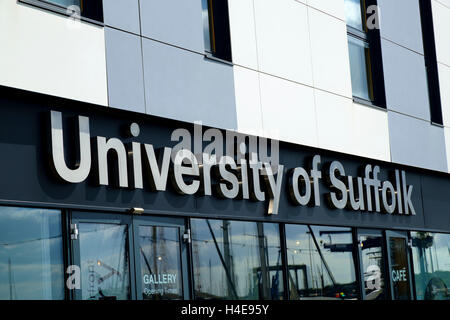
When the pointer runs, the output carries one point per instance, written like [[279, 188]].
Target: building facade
[[225, 149]]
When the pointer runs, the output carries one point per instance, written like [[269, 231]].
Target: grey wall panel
[[400, 23], [406, 81], [124, 70], [177, 22], [186, 86], [416, 142], [122, 14]]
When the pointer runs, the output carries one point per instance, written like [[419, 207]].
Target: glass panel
[[31, 248], [236, 260], [206, 33], [65, 3], [104, 261], [373, 267], [320, 263], [399, 268], [431, 256], [359, 67], [161, 273], [354, 14]]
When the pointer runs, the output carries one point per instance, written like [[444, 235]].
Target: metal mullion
[[284, 260], [357, 34]]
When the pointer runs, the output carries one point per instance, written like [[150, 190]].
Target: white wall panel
[[288, 111], [283, 39], [347, 127], [335, 122], [441, 20], [445, 2], [248, 101], [41, 51], [444, 84], [243, 33], [335, 8], [330, 57], [371, 133]]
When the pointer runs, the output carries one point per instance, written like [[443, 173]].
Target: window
[[365, 55], [236, 260], [31, 254], [431, 257], [104, 261], [431, 65], [91, 10], [216, 27], [321, 263]]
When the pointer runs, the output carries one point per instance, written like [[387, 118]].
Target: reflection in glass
[[31, 261], [104, 261], [373, 267], [320, 263], [160, 263], [431, 256], [206, 31], [354, 14], [359, 67], [236, 260], [66, 3], [399, 269]]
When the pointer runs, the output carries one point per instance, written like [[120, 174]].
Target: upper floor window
[[431, 64], [216, 27], [365, 53], [91, 10]]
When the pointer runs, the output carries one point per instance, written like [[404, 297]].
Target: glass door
[[101, 249], [372, 264], [399, 266], [161, 259], [124, 257]]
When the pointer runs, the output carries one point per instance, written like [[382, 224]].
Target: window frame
[[217, 26], [374, 61], [95, 15], [65, 237], [431, 64]]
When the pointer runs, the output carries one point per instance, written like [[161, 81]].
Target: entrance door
[[160, 255], [399, 267], [372, 265], [125, 257]]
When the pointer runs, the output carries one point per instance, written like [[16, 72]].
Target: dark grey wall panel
[[26, 173], [124, 70], [400, 23], [177, 22], [122, 14], [186, 86], [436, 202], [405, 81], [416, 142]]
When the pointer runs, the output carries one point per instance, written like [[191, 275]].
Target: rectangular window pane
[[236, 260], [31, 254], [206, 32], [399, 268], [354, 14], [104, 261], [161, 274], [359, 67], [320, 263], [372, 257], [431, 256]]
